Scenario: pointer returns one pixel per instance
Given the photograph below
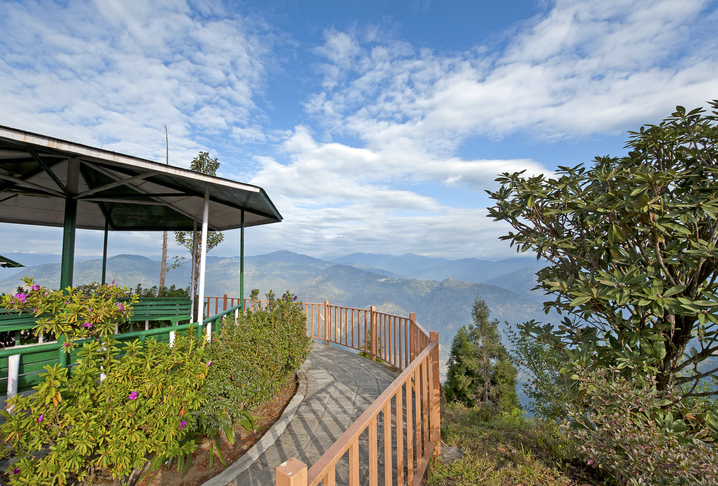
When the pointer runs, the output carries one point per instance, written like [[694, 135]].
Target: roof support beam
[[112, 175], [31, 185], [118, 183], [103, 209], [50, 172]]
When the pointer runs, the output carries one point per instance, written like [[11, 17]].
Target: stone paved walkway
[[337, 387]]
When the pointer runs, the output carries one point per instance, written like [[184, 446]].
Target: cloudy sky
[[374, 126]]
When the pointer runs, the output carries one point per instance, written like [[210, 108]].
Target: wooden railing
[[407, 412], [400, 341]]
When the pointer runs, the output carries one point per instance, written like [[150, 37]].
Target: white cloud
[[343, 199], [580, 68], [111, 73], [334, 171]]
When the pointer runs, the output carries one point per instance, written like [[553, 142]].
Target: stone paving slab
[[336, 386]]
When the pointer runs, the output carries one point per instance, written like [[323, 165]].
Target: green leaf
[[580, 300]]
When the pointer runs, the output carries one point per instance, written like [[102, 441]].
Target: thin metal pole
[[104, 253], [241, 262], [192, 290], [203, 260]]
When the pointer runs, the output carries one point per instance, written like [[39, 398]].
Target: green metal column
[[68, 235], [241, 262], [68, 243], [68, 240], [104, 253]]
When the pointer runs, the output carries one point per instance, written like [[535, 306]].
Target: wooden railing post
[[434, 382], [291, 473], [326, 322], [373, 333], [412, 337], [225, 303]]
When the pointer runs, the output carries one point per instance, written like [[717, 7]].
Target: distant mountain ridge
[[441, 301]]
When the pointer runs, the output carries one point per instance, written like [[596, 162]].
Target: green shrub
[[640, 434], [139, 408], [120, 403], [252, 359]]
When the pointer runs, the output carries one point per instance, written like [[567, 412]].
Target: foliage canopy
[[631, 245]]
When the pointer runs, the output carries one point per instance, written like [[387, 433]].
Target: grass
[[506, 449]]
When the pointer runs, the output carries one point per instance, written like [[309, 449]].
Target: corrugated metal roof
[[133, 194]]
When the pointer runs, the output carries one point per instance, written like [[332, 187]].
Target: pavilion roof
[[38, 173]]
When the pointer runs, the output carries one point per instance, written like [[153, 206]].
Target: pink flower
[[121, 307], [182, 424], [16, 471], [66, 344], [133, 395], [21, 297], [35, 287], [88, 324], [209, 362], [39, 420]]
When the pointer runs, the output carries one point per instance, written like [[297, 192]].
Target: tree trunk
[[164, 259], [164, 233]]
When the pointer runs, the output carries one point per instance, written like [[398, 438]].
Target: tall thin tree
[[163, 268]]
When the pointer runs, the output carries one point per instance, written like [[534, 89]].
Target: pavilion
[[50, 182]]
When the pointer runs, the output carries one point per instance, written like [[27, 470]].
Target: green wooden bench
[[163, 309], [11, 320]]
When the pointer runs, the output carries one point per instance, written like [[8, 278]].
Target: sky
[[374, 126]]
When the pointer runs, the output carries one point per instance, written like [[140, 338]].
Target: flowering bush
[[252, 359], [72, 315], [642, 435], [119, 405]]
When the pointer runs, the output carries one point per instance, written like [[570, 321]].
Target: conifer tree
[[480, 371]]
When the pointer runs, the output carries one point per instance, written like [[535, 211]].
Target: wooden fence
[[408, 411]]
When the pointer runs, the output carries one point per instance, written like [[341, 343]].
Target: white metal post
[[203, 261], [13, 370], [192, 289]]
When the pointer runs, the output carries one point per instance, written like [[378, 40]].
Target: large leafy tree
[[204, 164], [480, 371], [631, 245]]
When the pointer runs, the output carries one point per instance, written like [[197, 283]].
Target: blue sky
[[374, 126]]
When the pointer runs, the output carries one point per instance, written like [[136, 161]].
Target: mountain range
[[441, 292]]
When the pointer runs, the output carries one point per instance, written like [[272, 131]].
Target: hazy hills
[[441, 292], [441, 296]]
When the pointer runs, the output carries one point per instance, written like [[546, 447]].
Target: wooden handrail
[[399, 340], [427, 422], [414, 396]]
